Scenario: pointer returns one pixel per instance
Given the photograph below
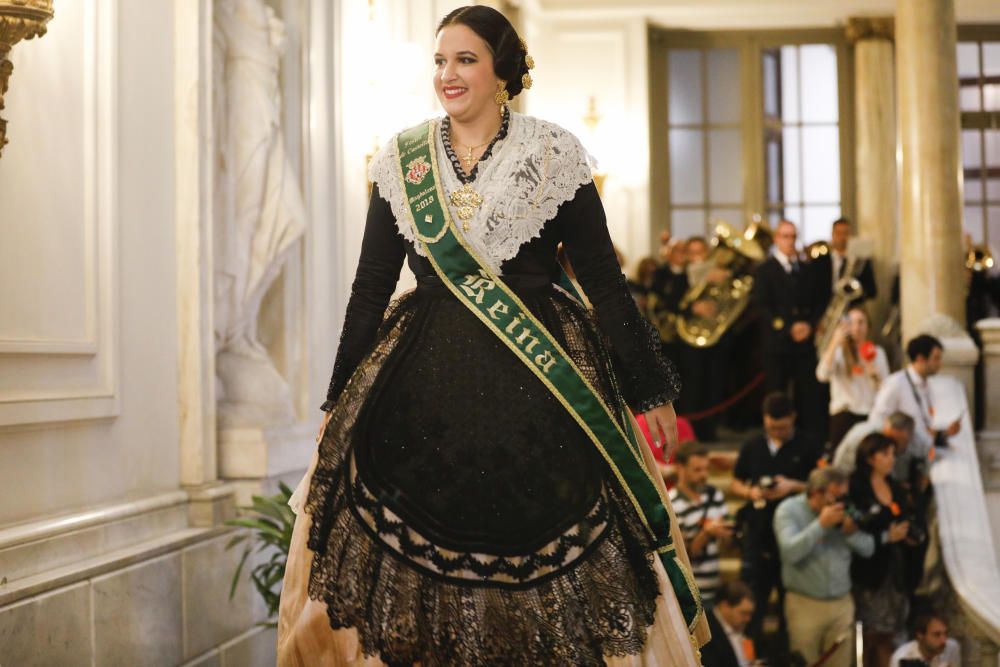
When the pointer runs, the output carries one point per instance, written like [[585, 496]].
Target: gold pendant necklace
[[468, 159], [467, 201]]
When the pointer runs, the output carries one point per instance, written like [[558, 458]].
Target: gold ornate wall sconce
[[19, 19]]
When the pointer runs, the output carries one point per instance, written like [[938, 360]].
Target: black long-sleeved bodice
[[646, 378], [454, 498]]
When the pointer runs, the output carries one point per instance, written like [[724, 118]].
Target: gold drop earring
[[502, 96]]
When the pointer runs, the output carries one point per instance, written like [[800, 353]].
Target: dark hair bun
[[493, 27]]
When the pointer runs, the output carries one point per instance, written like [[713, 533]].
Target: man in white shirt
[[907, 391], [932, 647]]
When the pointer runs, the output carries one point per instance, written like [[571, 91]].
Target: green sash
[[503, 313]]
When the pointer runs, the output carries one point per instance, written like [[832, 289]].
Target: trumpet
[[979, 258]]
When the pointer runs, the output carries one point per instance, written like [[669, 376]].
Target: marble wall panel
[[255, 649], [210, 617], [51, 629], [138, 615]]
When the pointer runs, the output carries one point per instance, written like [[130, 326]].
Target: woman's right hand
[[322, 427], [841, 333]]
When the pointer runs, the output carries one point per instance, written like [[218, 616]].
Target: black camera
[[941, 440], [918, 469], [916, 532], [733, 524], [913, 662], [851, 510]]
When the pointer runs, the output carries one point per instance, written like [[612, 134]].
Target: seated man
[[932, 646], [816, 539], [701, 515], [729, 647]]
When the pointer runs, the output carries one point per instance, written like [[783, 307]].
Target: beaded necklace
[[450, 152], [466, 200]]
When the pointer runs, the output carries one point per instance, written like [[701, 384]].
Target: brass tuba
[[737, 254]]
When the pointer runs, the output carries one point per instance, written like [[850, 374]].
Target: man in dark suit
[[784, 296], [670, 282], [769, 468], [831, 267], [729, 647]]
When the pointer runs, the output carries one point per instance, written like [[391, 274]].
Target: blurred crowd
[[830, 509]]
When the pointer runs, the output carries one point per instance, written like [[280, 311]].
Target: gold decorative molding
[[19, 19], [870, 27]]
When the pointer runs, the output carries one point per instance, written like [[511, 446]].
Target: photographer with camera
[[898, 426], [855, 368], [702, 517], [817, 539], [932, 646], [883, 581], [769, 468]]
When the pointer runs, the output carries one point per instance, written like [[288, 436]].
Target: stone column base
[[960, 352], [254, 460]]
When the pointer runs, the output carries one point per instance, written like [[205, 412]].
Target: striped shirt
[[691, 516]]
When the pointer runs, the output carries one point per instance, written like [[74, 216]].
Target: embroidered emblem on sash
[[416, 170]]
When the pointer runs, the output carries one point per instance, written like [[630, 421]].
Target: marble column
[[988, 440], [211, 501], [875, 151], [932, 279]]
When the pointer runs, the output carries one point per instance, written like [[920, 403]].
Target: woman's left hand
[[662, 422]]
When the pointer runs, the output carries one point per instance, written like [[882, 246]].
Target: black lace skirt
[[460, 516]]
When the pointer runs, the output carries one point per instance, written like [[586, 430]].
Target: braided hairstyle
[[510, 62]]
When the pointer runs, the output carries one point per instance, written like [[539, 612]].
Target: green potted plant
[[269, 522]]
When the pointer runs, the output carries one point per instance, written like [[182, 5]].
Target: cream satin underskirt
[[305, 638]]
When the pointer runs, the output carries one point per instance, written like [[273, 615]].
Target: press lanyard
[[920, 403]]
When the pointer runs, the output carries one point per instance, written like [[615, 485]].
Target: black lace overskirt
[[460, 516]]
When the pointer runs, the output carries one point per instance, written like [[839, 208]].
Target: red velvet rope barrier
[[728, 403]]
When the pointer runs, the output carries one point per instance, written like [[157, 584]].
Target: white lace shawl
[[530, 173]]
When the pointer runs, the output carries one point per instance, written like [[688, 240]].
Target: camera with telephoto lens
[[918, 470], [916, 532]]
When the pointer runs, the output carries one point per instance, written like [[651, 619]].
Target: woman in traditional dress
[[477, 497]]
